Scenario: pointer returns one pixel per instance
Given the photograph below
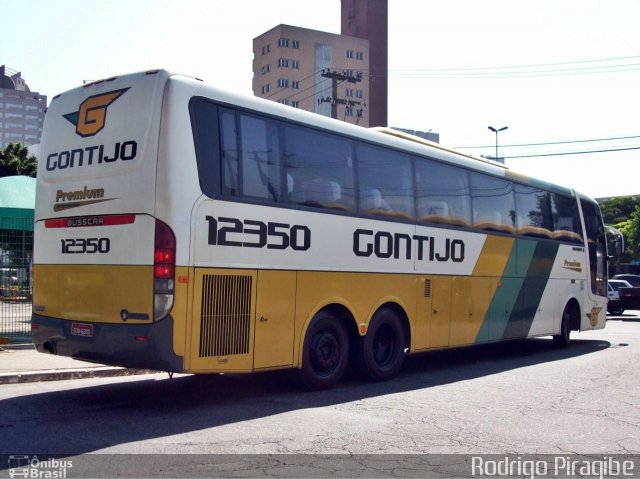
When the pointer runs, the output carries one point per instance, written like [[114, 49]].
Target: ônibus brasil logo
[[92, 114]]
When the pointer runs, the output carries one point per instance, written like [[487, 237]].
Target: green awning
[[17, 202]]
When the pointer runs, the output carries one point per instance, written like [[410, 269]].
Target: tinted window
[[261, 173], [493, 203], [229, 153], [566, 220], [204, 124], [318, 169], [443, 194], [533, 211], [597, 245], [385, 182]]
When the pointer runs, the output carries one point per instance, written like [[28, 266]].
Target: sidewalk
[[22, 364]]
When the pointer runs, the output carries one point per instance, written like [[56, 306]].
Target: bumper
[[145, 346], [630, 302]]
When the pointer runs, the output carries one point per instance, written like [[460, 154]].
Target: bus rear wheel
[[380, 353], [325, 352]]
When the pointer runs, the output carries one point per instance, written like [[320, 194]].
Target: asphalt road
[[522, 397]]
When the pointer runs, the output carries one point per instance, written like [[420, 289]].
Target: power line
[[584, 67], [552, 142], [524, 73], [284, 87], [574, 152], [535, 65]]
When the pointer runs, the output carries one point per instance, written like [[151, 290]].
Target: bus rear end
[[104, 265]]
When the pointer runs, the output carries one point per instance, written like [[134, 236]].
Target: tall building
[[368, 19], [21, 110], [299, 67]]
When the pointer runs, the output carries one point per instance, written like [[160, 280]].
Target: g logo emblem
[[92, 115]]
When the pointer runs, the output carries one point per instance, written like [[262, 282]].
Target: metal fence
[[16, 281]]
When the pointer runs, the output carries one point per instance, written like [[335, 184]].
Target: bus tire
[[380, 353], [325, 352], [563, 339]]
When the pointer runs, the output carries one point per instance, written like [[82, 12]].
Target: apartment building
[[299, 67], [21, 110]]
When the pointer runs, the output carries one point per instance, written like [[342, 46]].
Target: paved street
[[523, 397]]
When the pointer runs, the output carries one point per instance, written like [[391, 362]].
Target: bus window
[[533, 212], [493, 203], [384, 180], [319, 169], [204, 121], [566, 221], [229, 153], [597, 245], [443, 193], [261, 174]]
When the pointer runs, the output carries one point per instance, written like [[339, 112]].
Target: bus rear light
[[164, 256], [164, 270]]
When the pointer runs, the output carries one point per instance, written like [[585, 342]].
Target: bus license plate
[[82, 329]]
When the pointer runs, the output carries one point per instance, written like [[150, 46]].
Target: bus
[[182, 228]]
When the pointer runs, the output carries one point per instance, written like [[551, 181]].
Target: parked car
[[633, 279], [615, 306]]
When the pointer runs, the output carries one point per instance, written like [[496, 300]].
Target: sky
[[552, 71]]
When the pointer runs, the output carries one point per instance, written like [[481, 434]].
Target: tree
[[15, 160], [618, 210], [623, 213], [633, 233]]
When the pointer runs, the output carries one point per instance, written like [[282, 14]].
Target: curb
[[65, 374]]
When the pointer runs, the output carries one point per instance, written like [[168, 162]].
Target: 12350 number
[[257, 234], [85, 245]]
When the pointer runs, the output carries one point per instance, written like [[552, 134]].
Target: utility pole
[[335, 101]]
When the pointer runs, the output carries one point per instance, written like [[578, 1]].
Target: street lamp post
[[496, 132]]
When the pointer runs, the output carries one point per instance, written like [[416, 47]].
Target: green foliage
[[618, 210], [623, 213], [632, 233], [15, 160]]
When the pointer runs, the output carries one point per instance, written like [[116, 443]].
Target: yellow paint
[[440, 321], [95, 293], [472, 296], [229, 363], [470, 300], [494, 256], [180, 311], [282, 304], [275, 312], [420, 333]]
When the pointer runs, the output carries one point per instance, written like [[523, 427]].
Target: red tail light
[[164, 270], [164, 255]]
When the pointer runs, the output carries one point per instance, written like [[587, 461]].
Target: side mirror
[[615, 241]]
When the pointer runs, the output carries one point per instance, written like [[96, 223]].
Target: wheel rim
[[325, 352], [384, 345]]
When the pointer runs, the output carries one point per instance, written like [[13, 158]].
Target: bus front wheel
[[325, 352], [563, 339], [380, 353]]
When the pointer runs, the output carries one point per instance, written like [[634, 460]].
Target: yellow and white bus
[[187, 229]]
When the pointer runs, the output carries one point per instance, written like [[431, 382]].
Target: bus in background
[[183, 228]]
